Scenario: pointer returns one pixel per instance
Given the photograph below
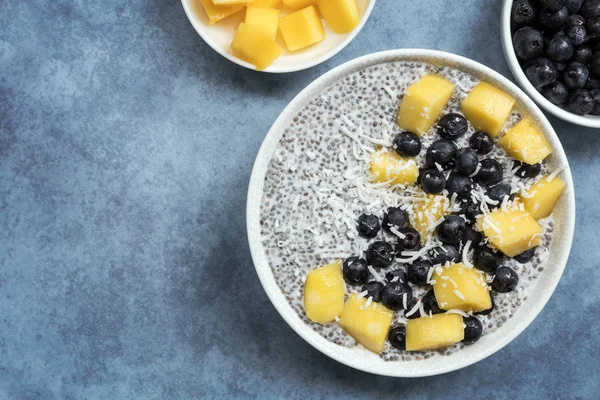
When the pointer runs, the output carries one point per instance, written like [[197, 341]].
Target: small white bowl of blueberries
[[553, 50]]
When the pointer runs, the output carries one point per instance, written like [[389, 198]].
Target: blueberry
[[526, 256], [430, 303], [576, 34], [489, 173], [540, 72], [470, 210], [553, 20], [595, 64], [466, 161], [528, 43], [355, 271], [442, 152], [410, 241], [373, 290], [394, 294], [576, 20], [499, 192], [451, 229], [471, 235], [395, 217], [415, 314], [575, 75], [443, 254], [552, 5], [473, 330], [380, 254], [397, 337], [559, 48], [581, 102], [397, 275], [481, 142], [560, 66], [506, 280], [596, 95], [592, 83], [418, 272], [452, 126], [433, 181], [523, 13], [556, 92], [489, 310], [592, 27], [590, 8], [459, 184], [527, 170], [407, 144], [582, 54], [573, 5], [487, 259], [368, 226]]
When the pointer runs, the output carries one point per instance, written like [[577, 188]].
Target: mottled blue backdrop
[[126, 146]]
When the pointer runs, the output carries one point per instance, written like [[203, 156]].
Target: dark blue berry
[[355, 271], [552, 5], [596, 95], [452, 126], [505, 280], [415, 314], [430, 303], [581, 102], [595, 64], [470, 210], [380, 254], [576, 34], [553, 20], [481, 142], [528, 43], [523, 13], [451, 229], [582, 54], [592, 83], [499, 192], [593, 26], [487, 259], [433, 181], [527, 170], [526, 256], [573, 6], [466, 161], [556, 92], [473, 329], [490, 172], [443, 254], [590, 8], [418, 272], [471, 235], [397, 337], [459, 184], [575, 75], [442, 152], [396, 218], [410, 241], [397, 275], [368, 226], [373, 290], [541, 72], [393, 295], [559, 48], [407, 144]]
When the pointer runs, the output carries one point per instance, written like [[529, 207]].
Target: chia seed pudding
[[317, 185]]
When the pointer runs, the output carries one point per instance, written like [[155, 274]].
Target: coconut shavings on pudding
[[408, 210]]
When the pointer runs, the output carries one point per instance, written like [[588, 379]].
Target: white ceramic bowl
[[540, 293], [507, 44], [220, 35]]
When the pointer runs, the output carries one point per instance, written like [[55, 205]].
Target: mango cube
[[390, 167], [252, 45], [460, 288], [267, 3], [324, 291], [297, 4], [487, 108], [369, 326], [526, 143], [341, 15], [221, 3], [263, 18], [216, 14], [302, 28], [427, 212], [512, 232], [441, 330], [423, 103], [542, 197]]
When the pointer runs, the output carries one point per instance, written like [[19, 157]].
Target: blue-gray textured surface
[[126, 146]]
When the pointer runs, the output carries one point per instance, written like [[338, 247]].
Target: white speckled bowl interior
[[358, 357]]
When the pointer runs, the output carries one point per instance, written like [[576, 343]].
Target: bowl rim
[[271, 69], [263, 268], [517, 71]]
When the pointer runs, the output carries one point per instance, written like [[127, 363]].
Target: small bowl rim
[[271, 69], [513, 63]]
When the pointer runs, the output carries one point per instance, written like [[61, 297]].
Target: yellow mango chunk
[[221, 3], [302, 28], [369, 326], [387, 166], [487, 108], [341, 15], [423, 103], [460, 288], [216, 14], [512, 232], [267, 3], [526, 143], [324, 291], [441, 330], [252, 45], [263, 18], [426, 213], [542, 197], [297, 4]]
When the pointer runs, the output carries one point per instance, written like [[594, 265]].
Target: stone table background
[[126, 146]]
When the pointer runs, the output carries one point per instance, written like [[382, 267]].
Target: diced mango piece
[[369, 326], [441, 330], [324, 291], [263, 18], [460, 288], [221, 3], [252, 45], [542, 197], [423, 103], [267, 3], [427, 212], [341, 15], [215, 14], [512, 232], [297, 4], [387, 166], [302, 28], [487, 108], [526, 143]]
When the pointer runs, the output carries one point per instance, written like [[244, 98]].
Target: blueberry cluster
[[558, 44]]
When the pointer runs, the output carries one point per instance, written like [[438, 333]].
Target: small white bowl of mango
[[278, 36]]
